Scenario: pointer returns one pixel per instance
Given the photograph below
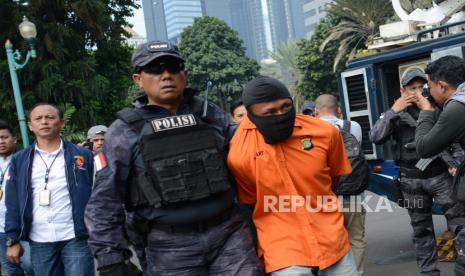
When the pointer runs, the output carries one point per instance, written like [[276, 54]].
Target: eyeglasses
[[158, 68]]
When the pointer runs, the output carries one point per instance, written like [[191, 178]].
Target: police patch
[[173, 122]]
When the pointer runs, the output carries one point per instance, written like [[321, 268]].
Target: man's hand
[[423, 103], [403, 102], [14, 253], [452, 171], [120, 269]]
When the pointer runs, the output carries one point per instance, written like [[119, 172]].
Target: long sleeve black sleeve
[[433, 136]]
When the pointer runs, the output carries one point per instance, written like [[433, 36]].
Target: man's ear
[[136, 79], [317, 112], [339, 113], [445, 86]]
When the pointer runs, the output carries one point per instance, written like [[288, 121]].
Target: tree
[[214, 52], [317, 75], [358, 25], [83, 59]]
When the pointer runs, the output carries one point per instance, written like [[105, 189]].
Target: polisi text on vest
[[173, 122]]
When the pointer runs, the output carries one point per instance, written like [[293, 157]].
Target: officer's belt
[[416, 173], [200, 226]]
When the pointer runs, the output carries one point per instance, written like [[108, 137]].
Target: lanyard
[[47, 171], [2, 175]]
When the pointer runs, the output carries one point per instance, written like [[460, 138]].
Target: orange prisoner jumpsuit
[[262, 171]]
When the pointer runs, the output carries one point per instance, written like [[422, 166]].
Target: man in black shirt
[[434, 133]]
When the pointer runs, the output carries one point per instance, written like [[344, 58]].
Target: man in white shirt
[[50, 183], [7, 148], [327, 108]]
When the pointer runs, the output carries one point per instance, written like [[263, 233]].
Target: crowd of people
[[196, 191]]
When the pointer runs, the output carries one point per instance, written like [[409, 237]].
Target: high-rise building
[[165, 19], [180, 14], [154, 17], [314, 11], [295, 18], [220, 9], [261, 24]]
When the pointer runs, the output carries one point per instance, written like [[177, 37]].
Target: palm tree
[[358, 25], [283, 66]]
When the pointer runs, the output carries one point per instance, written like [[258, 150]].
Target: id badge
[[44, 198], [1, 194]]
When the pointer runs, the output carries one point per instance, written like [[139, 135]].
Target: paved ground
[[389, 247]]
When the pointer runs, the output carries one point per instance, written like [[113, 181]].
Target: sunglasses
[[160, 67]]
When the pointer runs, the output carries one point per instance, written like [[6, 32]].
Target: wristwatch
[[11, 242]]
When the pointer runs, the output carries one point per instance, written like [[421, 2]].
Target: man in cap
[[164, 160], [308, 108], [285, 166], [96, 136], [419, 184]]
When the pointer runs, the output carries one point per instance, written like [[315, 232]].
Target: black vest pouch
[[406, 151], [185, 164], [142, 192]]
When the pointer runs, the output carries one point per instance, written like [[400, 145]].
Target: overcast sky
[[138, 20]]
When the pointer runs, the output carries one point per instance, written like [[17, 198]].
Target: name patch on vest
[[173, 122]]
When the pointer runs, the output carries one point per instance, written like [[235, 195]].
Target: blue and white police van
[[371, 84]]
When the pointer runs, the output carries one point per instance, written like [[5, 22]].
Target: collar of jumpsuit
[[263, 172]]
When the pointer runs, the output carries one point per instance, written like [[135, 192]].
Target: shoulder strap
[[131, 117], [346, 126], [197, 105]]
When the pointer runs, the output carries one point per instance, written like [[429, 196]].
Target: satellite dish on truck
[[447, 11], [394, 35]]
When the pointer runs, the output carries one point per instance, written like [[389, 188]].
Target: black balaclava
[[274, 128]]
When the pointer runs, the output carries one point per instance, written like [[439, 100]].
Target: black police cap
[[150, 51]]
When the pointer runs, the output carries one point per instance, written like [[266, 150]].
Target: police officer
[[446, 81], [164, 160], [419, 183]]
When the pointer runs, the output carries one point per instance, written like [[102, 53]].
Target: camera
[[426, 93]]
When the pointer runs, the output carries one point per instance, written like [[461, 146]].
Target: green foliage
[[69, 132], [317, 75], [214, 52], [358, 24], [83, 59]]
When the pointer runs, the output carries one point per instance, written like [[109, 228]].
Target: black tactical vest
[[405, 140], [177, 159]]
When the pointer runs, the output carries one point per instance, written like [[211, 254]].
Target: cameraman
[[418, 186], [446, 81]]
